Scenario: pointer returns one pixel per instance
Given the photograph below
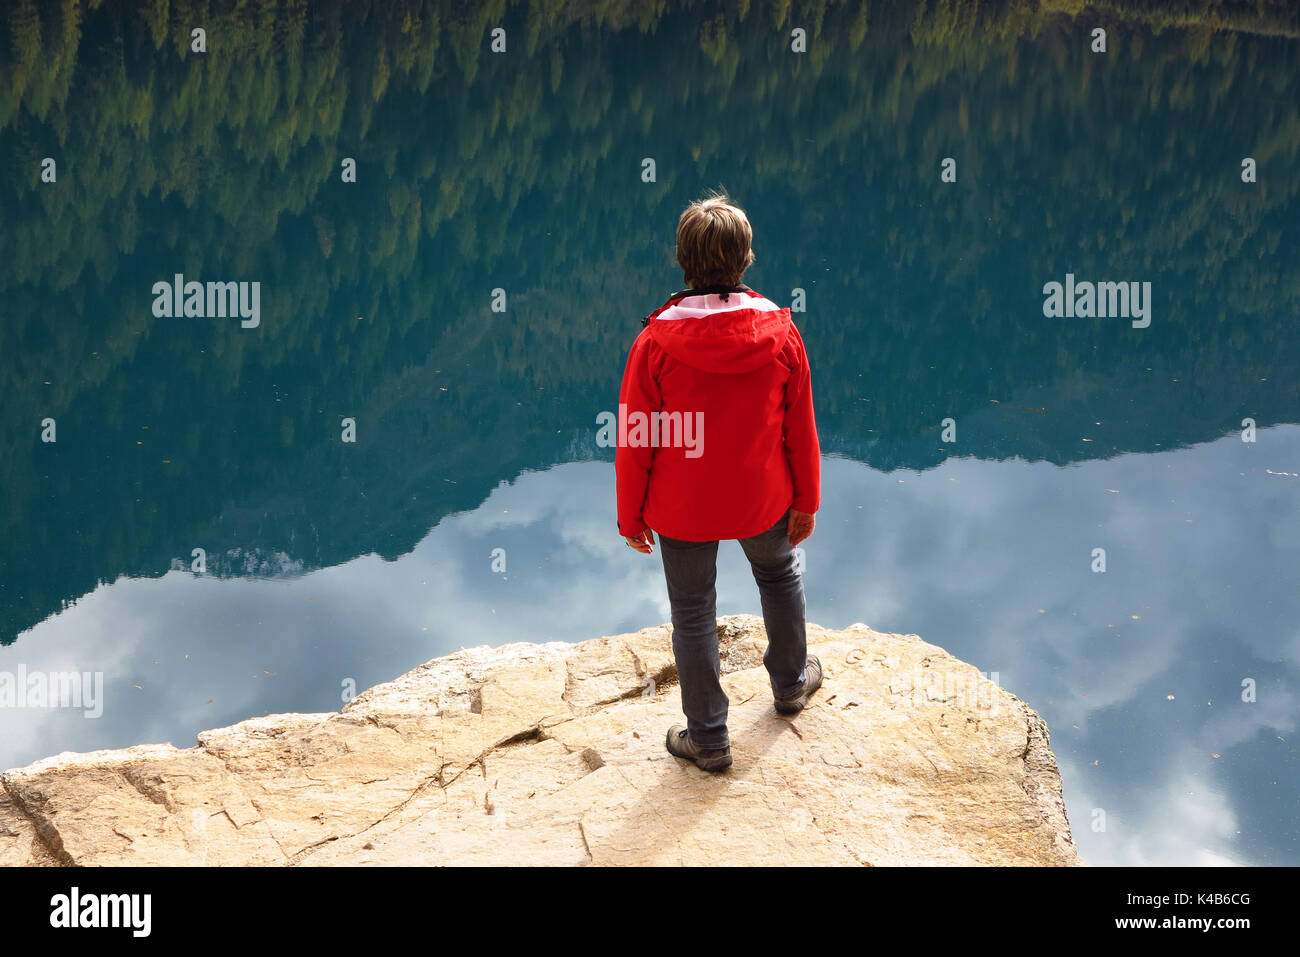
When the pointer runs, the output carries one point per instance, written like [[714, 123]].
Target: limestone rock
[[553, 754]]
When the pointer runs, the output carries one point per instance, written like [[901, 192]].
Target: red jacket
[[734, 442]]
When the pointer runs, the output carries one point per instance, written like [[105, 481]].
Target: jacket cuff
[[806, 503]]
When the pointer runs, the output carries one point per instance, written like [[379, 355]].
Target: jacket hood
[[704, 330]]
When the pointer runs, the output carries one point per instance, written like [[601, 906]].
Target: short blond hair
[[714, 242]]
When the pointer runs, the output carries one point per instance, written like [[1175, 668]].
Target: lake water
[[1168, 680]]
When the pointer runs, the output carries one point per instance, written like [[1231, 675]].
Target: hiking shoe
[[679, 745], [811, 682]]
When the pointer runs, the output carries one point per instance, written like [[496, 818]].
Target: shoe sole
[[713, 765]]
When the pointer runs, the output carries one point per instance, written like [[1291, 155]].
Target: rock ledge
[[553, 754]]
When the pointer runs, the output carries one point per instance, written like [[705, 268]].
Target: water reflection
[[990, 560], [477, 172]]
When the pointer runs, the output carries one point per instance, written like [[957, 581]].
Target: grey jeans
[[691, 569]]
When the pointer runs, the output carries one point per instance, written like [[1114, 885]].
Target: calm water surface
[[329, 561]]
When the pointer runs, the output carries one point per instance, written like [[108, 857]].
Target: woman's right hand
[[800, 526]]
